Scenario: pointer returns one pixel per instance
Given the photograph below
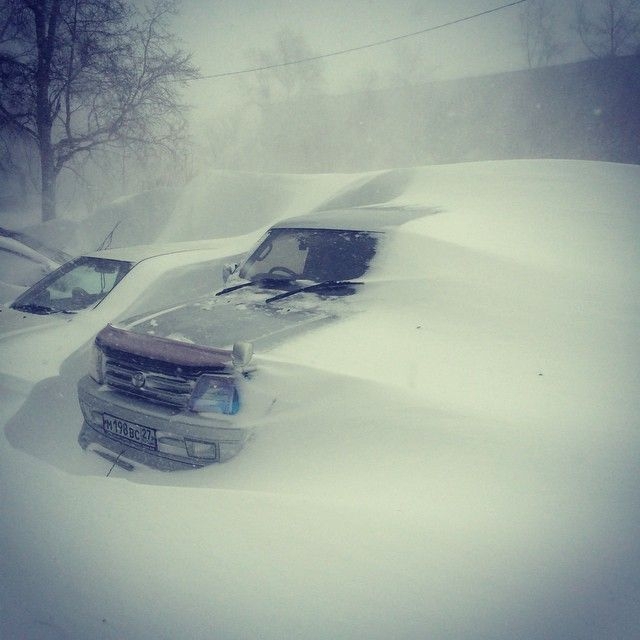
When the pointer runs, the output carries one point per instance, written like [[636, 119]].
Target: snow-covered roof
[[358, 218], [55, 255], [142, 252], [19, 248]]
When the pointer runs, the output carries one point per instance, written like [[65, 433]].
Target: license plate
[[129, 431]]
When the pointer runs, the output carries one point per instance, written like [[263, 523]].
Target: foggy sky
[[221, 34]]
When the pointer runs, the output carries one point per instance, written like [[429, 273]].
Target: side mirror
[[228, 269], [241, 354]]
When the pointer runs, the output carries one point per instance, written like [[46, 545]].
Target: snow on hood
[[240, 315]]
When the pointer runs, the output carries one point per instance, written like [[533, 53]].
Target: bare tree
[[539, 20], [284, 99], [16, 170], [80, 75], [283, 78], [609, 27]]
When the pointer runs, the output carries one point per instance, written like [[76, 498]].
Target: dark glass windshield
[[78, 284], [311, 254]]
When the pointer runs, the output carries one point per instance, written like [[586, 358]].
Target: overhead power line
[[364, 46]]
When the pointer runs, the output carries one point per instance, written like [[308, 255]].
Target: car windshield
[[78, 284], [318, 255]]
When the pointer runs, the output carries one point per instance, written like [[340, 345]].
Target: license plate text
[[129, 430]]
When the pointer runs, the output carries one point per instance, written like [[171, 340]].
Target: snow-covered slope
[[457, 460], [216, 204]]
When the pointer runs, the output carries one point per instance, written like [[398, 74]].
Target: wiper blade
[[39, 309], [235, 287], [326, 284], [269, 282]]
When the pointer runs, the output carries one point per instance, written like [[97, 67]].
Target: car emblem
[[138, 379]]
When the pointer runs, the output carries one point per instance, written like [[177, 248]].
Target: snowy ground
[[459, 460]]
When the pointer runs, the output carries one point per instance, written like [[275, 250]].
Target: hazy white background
[[222, 34]]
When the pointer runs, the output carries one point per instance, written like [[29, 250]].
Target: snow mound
[[222, 203], [456, 460], [127, 221]]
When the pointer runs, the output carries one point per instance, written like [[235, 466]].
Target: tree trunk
[[48, 182], [46, 19]]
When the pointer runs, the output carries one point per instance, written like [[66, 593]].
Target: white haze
[[458, 460], [231, 118]]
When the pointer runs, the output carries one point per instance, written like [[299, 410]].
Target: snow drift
[[458, 460]]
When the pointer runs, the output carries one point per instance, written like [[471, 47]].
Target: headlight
[[96, 359], [215, 394]]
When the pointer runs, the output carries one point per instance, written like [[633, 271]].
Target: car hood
[[14, 323], [32, 350], [242, 316]]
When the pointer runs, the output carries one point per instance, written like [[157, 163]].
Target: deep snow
[[458, 459]]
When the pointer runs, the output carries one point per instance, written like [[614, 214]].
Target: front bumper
[[184, 439]]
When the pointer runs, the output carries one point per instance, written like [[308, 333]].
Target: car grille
[[173, 390]]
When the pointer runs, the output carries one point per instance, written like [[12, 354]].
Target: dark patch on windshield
[[318, 255]]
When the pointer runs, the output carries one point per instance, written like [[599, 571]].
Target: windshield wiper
[[325, 284], [269, 282], [39, 309], [234, 288]]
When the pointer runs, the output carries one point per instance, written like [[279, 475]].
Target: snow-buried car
[[168, 389]]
